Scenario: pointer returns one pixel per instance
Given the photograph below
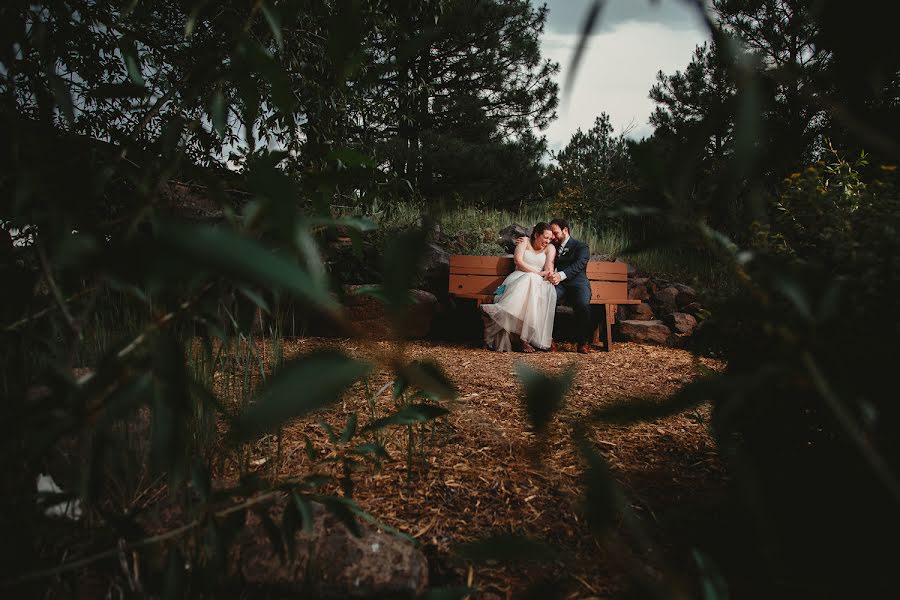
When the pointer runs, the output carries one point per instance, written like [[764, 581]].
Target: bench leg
[[607, 319]]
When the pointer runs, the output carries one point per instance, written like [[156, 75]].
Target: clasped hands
[[550, 276]]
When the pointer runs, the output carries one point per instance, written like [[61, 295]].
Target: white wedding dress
[[525, 307]]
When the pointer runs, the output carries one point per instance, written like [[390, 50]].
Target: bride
[[525, 303]]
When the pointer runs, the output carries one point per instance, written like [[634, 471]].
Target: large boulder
[[636, 312], [639, 291], [645, 332], [436, 269], [331, 562], [506, 237], [665, 300], [371, 318], [682, 323], [686, 294]]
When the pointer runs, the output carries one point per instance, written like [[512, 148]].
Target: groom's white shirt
[[562, 275]]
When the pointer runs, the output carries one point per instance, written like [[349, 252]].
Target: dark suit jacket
[[572, 260]]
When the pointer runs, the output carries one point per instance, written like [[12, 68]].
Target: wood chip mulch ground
[[483, 472]]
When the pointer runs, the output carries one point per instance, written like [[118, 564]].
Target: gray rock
[[638, 312], [506, 237], [665, 300], [638, 292], [646, 332], [435, 269], [682, 323], [686, 294]]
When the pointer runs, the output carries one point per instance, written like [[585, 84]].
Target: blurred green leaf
[[171, 405], [341, 509], [329, 431], [201, 481], [602, 497], [125, 400], [218, 113], [174, 584], [311, 452], [194, 15], [349, 428], [429, 377], [274, 21], [215, 550], [304, 509], [255, 298], [309, 250], [132, 61], [272, 532], [345, 35], [371, 449], [300, 387], [259, 60], [544, 394], [127, 89], [634, 410], [63, 97], [713, 585], [290, 522], [587, 28], [371, 291], [222, 250], [508, 548], [408, 415], [402, 258]]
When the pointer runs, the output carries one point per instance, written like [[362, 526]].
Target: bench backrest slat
[[483, 274], [475, 284]]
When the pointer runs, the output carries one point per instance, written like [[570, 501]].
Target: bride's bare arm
[[548, 261], [519, 257]]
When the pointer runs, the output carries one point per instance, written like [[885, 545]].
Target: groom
[[570, 279]]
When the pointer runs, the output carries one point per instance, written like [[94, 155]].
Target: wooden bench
[[477, 277]]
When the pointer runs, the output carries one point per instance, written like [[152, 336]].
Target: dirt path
[[479, 474]]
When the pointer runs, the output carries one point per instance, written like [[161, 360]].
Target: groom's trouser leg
[[580, 299], [581, 304]]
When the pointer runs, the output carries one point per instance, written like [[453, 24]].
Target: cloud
[[616, 73], [567, 16]]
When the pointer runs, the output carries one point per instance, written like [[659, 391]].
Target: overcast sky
[[631, 42]]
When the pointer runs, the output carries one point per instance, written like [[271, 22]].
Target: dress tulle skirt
[[525, 308]]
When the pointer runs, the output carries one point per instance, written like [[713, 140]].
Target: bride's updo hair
[[539, 229]]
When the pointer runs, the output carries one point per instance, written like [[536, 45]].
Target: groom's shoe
[[584, 349]]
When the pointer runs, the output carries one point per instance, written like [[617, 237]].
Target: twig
[[160, 322], [149, 541], [44, 311], [57, 294]]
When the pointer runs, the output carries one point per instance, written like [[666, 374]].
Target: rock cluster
[[668, 313]]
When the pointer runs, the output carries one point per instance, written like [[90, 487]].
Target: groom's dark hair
[[561, 223], [539, 228]]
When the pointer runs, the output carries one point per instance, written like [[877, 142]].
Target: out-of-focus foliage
[[803, 415]]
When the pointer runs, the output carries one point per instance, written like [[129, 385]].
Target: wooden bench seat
[[477, 277]]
